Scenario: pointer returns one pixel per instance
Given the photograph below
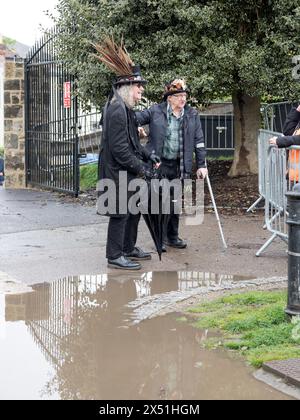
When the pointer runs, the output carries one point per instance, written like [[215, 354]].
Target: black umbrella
[[156, 227], [156, 221]]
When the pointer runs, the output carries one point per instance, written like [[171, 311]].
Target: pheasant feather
[[115, 57]]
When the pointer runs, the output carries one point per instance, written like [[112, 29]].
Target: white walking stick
[[216, 211]]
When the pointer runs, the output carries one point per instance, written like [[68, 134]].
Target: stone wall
[[2, 64], [14, 124]]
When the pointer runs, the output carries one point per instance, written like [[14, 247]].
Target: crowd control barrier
[[280, 175]]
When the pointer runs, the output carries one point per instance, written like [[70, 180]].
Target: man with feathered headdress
[[121, 152]]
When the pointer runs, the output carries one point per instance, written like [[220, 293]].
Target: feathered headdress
[[174, 87], [117, 59]]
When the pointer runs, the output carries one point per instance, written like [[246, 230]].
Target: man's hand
[[155, 160], [298, 109], [202, 173], [273, 141], [142, 133]]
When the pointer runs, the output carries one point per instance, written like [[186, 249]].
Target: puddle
[[81, 338]]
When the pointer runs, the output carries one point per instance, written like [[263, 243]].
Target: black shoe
[[177, 243], [138, 254], [164, 248], [123, 264]]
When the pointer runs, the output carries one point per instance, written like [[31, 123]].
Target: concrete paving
[[45, 237], [27, 210]]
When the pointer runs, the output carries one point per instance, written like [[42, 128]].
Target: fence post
[[293, 308]]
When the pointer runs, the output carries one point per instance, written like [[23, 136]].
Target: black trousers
[[170, 169], [122, 235]]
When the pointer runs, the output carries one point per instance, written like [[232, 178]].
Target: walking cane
[[216, 211]]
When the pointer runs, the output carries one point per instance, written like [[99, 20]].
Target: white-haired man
[[121, 152]]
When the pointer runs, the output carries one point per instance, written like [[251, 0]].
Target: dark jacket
[[1, 169], [193, 138], [292, 121], [120, 149]]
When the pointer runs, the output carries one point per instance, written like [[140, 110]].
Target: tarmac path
[[44, 238]]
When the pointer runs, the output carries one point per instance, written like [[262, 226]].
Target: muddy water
[[80, 338]]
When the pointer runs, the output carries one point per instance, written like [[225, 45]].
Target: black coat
[[120, 149], [193, 138], [292, 120], [1, 170]]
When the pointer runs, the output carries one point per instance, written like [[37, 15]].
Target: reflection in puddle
[[74, 339]]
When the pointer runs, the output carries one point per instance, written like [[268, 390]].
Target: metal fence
[[274, 115], [263, 147], [276, 188], [52, 147], [281, 175], [218, 132]]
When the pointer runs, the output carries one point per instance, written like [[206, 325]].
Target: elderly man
[[175, 134], [121, 152]]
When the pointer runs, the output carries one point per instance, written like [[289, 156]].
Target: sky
[[21, 19]]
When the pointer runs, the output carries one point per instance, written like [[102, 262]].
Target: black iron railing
[[51, 106]]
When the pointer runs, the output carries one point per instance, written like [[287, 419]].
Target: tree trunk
[[247, 123]]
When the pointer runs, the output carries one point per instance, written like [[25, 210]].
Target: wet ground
[[38, 230], [92, 336], [83, 338]]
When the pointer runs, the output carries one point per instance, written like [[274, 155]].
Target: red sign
[[67, 95]]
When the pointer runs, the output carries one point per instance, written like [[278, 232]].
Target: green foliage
[[254, 324], [263, 354], [239, 302], [220, 158], [88, 177], [1, 151], [9, 42], [220, 46]]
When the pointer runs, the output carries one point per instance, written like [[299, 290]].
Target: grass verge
[[220, 158], [254, 324], [88, 177]]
